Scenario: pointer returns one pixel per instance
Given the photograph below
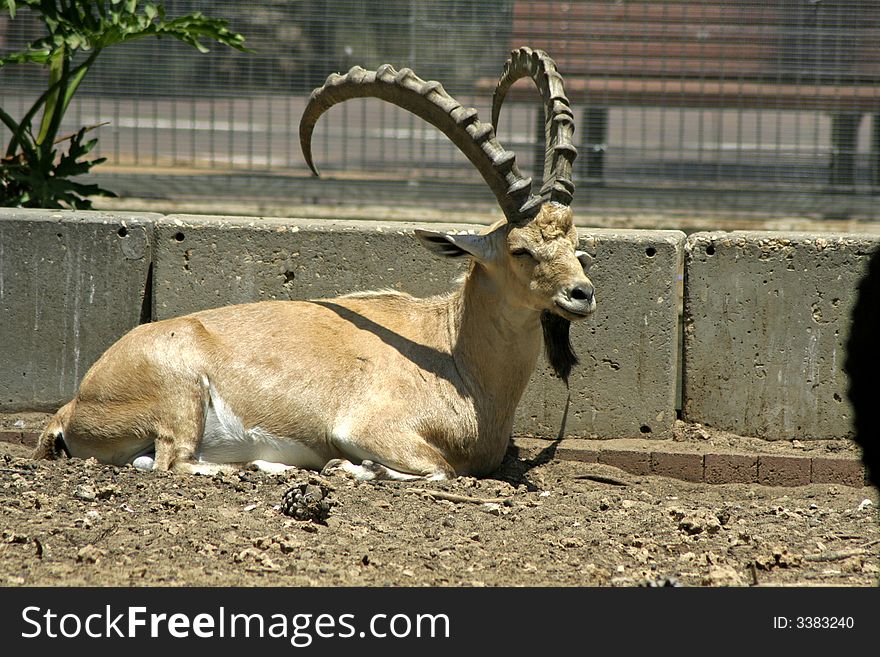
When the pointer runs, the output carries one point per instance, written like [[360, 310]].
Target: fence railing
[[743, 104]]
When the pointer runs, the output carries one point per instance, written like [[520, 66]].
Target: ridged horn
[[429, 101], [560, 152]]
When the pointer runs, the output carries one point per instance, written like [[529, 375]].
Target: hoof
[[144, 463], [335, 466], [364, 471], [373, 470]]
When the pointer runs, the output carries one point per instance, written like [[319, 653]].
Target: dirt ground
[[558, 523]]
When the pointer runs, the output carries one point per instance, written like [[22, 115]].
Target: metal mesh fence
[[740, 104]]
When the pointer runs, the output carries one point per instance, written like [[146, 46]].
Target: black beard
[[557, 344]]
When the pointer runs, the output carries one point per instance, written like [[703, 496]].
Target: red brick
[[30, 438], [849, 472], [730, 469], [783, 470], [638, 463], [575, 449], [10, 437], [26, 438], [680, 465]]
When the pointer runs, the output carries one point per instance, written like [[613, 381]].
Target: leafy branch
[[32, 171]]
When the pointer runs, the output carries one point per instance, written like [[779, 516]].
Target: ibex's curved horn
[[558, 118], [429, 101]]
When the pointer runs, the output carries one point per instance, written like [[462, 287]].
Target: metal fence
[[766, 105]]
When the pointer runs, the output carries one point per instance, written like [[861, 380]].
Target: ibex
[[376, 384]]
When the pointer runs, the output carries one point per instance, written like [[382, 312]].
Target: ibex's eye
[[517, 253]]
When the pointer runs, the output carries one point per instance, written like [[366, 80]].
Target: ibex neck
[[496, 341]]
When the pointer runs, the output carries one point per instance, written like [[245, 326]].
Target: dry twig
[[603, 479], [453, 497], [842, 554]]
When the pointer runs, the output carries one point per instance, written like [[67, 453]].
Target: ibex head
[[531, 256]]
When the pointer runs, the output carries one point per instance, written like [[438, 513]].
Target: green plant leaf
[[56, 71], [26, 57], [19, 136], [26, 185], [25, 123], [76, 76], [9, 122], [33, 174]]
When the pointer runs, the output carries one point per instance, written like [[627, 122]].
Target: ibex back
[[380, 384]]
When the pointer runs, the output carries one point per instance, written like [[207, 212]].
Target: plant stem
[[25, 123]]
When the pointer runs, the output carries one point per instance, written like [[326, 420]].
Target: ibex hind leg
[[179, 432], [207, 468], [51, 444], [148, 436], [148, 462]]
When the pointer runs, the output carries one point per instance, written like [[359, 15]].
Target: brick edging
[[717, 467], [699, 467], [26, 438]]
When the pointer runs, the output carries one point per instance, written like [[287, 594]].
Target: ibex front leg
[[401, 456]]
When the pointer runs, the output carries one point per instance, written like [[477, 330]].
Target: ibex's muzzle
[[578, 300]]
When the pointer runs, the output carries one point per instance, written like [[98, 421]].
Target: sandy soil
[[75, 522]]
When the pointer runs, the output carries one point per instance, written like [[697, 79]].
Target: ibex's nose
[[578, 299], [582, 292]]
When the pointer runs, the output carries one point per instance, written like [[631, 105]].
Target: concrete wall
[[205, 262], [765, 314], [625, 385], [767, 318], [71, 284]]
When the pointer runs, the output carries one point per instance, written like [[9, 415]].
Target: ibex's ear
[[450, 245], [585, 259]]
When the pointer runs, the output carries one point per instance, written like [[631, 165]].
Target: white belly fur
[[225, 440]]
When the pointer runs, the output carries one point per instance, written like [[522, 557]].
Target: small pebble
[[85, 493]]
